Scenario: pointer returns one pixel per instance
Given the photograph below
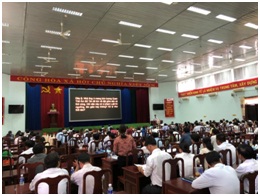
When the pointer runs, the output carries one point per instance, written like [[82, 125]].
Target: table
[[17, 189], [134, 180], [179, 186], [112, 164]]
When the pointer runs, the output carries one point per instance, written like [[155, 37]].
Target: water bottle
[[71, 170], [21, 180], [110, 189], [200, 169]]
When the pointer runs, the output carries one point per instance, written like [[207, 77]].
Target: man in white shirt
[[249, 164], [153, 167], [29, 150], [219, 178], [83, 166], [223, 145], [52, 163]]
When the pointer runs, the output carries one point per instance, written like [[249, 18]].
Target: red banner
[[169, 107], [223, 87], [85, 82]]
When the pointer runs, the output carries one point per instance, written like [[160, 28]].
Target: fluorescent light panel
[[51, 47], [226, 18], [138, 73], [129, 78], [73, 74], [98, 53], [134, 66], [56, 32], [238, 59], [150, 79], [245, 47], [125, 56], [110, 76], [190, 36], [166, 49], [101, 70], [65, 11], [46, 58], [122, 72], [40, 72], [90, 62], [130, 24], [6, 63], [4, 24], [251, 25], [43, 66], [110, 41], [167, 2], [113, 64], [146, 59], [5, 54], [165, 31], [95, 76], [215, 41], [142, 46], [199, 10], [217, 57], [162, 75], [167, 61], [174, 69], [77, 68], [151, 67], [189, 52], [5, 41]]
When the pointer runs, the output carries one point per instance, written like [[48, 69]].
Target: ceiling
[[100, 20]]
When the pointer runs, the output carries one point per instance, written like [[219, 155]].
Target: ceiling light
[[77, 68], [40, 72], [73, 74], [110, 41], [134, 66], [125, 56], [215, 41], [130, 24], [143, 46], [101, 70], [65, 11], [150, 79], [98, 53], [5, 54], [167, 61], [197, 71], [95, 76], [245, 47], [122, 72], [113, 64], [162, 75], [189, 52], [138, 73], [251, 25], [238, 59], [151, 67], [165, 31], [51, 47], [166, 49], [216, 66], [247, 64], [217, 57], [43, 66], [195, 64], [4, 24], [110, 76], [167, 2], [146, 59], [129, 78], [6, 63], [190, 36], [5, 41], [56, 32], [226, 18], [46, 58], [90, 62], [199, 10], [174, 69]]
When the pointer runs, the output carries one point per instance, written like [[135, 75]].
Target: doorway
[[251, 108]]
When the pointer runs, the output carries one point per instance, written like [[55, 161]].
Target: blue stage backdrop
[[135, 106]]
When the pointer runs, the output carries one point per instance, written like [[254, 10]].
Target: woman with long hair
[[122, 145]]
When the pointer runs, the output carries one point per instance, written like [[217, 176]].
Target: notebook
[[188, 179]]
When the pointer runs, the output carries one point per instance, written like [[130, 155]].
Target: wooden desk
[[112, 164], [17, 189], [179, 186], [134, 180], [95, 158]]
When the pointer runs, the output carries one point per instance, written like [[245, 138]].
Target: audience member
[[219, 178], [213, 138], [94, 144], [195, 138], [39, 156], [153, 167], [28, 150], [185, 138]]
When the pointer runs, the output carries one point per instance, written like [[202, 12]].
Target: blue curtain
[[33, 106]]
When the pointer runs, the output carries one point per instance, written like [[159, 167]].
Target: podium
[[53, 115], [154, 122]]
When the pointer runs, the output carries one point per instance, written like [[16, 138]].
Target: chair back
[[30, 169], [98, 175], [201, 158], [196, 148], [25, 156], [138, 156], [96, 142], [225, 153], [173, 165], [53, 184], [251, 177]]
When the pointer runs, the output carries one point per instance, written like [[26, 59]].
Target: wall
[[208, 108], [14, 93]]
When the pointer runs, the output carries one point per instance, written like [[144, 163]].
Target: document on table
[[143, 166]]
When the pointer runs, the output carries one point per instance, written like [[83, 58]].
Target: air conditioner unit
[[256, 87], [212, 94], [200, 96], [239, 90], [185, 99]]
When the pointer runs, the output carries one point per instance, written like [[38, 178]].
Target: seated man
[[219, 178], [246, 154], [81, 167], [38, 156], [52, 163], [153, 167], [28, 150]]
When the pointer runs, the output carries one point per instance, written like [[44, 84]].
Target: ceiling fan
[[50, 59], [64, 34], [120, 43]]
